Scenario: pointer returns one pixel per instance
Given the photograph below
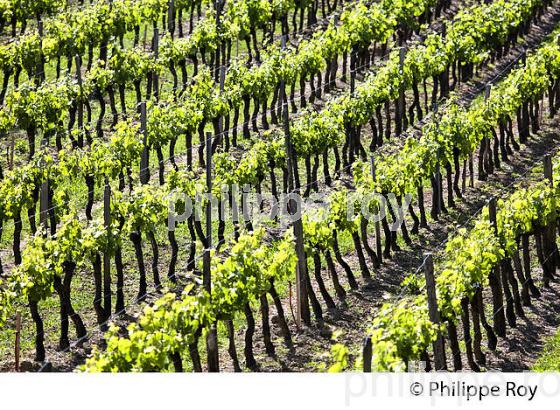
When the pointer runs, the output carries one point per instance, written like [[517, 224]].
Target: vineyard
[[279, 185]]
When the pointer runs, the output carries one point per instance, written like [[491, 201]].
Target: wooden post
[[548, 168], [495, 282], [145, 39], [439, 349], [206, 262], [302, 308], [486, 142], [334, 62], [222, 85], [218, 5], [401, 102], [80, 103], [212, 335], [540, 104], [145, 156], [352, 131], [44, 197], [12, 149], [439, 188], [44, 204], [18, 340], [353, 59], [106, 255], [220, 129], [171, 18], [40, 77], [471, 171], [402, 56], [378, 240], [550, 249], [155, 82], [367, 354], [487, 91], [78, 61], [439, 184]]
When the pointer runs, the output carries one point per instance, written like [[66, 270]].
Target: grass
[[549, 359]]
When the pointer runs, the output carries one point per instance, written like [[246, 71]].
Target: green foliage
[[479, 29], [143, 210], [171, 324], [166, 327], [402, 331], [339, 354], [44, 257]]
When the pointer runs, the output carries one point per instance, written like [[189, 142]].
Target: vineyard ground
[[348, 323], [521, 347], [515, 353]]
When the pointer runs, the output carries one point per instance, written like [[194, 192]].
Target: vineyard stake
[[378, 244], [106, 255], [155, 82], [40, 77], [144, 158], [302, 302], [219, 136], [18, 339], [145, 39], [212, 335], [44, 204], [367, 354], [439, 349], [80, 103], [439, 185], [495, 282], [486, 142], [12, 148], [206, 275], [171, 18], [352, 132], [218, 6], [439, 188], [549, 232], [401, 100], [44, 196], [548, 168], [471, 171], [78, 61]]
